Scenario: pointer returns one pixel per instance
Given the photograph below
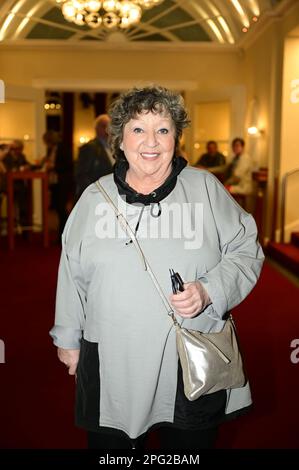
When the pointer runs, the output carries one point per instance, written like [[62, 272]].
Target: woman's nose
[[151, 139]]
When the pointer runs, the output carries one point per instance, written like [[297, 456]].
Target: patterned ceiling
[[219, 21]]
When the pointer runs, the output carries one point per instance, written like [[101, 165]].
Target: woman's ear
[[121, 146]]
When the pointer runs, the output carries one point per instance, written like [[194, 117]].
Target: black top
[[119, 173]]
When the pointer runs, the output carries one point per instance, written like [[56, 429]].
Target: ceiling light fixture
[[254, 7], [255, 131], [108, 13], [241, 12]]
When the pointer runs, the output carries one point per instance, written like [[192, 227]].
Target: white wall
[[290, 107], [207, 72], [290, 130], [211, 122], [23, 113], [17, 121], [263, 72]]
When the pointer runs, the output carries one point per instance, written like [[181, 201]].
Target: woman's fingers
[[189, 289], [187, 298], [73, 368], [191, 301], [70, 358]]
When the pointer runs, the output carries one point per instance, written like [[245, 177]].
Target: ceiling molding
[[108, 84], [233, 24], [193, 11], [52, 44], [39, 8], [8, 4], [268, 18], [148, 26], [206, 14]]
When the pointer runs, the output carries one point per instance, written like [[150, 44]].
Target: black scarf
[[120, 170]]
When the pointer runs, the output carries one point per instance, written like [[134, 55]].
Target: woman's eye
[[137, 130], [163, 131]]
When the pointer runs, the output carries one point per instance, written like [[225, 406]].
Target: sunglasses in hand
[[176, 282]]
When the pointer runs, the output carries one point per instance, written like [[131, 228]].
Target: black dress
[[206, 412]]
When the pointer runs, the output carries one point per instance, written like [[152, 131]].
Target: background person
[[111, 328], [239, 172], [59, 166], [212, 160], [95, 158], [15, 160], [3, 152]]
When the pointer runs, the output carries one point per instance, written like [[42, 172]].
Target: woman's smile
[[149, 155]]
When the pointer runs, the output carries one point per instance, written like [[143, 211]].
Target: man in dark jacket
[[95, 159], [212, 158], [59, 165], [15, 160]]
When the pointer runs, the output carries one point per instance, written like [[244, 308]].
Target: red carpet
[[37, 395]]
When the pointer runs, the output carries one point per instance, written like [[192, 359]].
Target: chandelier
[[108, 13]]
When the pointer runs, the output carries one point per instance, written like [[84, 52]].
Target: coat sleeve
[[232, 279], [70, 300]]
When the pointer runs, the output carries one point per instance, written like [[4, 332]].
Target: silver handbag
[[210, 361]]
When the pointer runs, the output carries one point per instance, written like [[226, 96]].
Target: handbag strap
[[128, 230]]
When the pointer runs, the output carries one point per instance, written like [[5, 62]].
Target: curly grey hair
[[155, 99]]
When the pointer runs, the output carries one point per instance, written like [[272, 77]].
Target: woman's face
[[238, 148], [149, 144]]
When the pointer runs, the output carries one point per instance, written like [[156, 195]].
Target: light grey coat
[[104, 292]]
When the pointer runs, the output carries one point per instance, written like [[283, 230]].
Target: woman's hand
[[191, 301], [70, 358]]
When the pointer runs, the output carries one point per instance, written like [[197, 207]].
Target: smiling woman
[[138, 102], [148, 143], [111, 327], [148, 140]]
